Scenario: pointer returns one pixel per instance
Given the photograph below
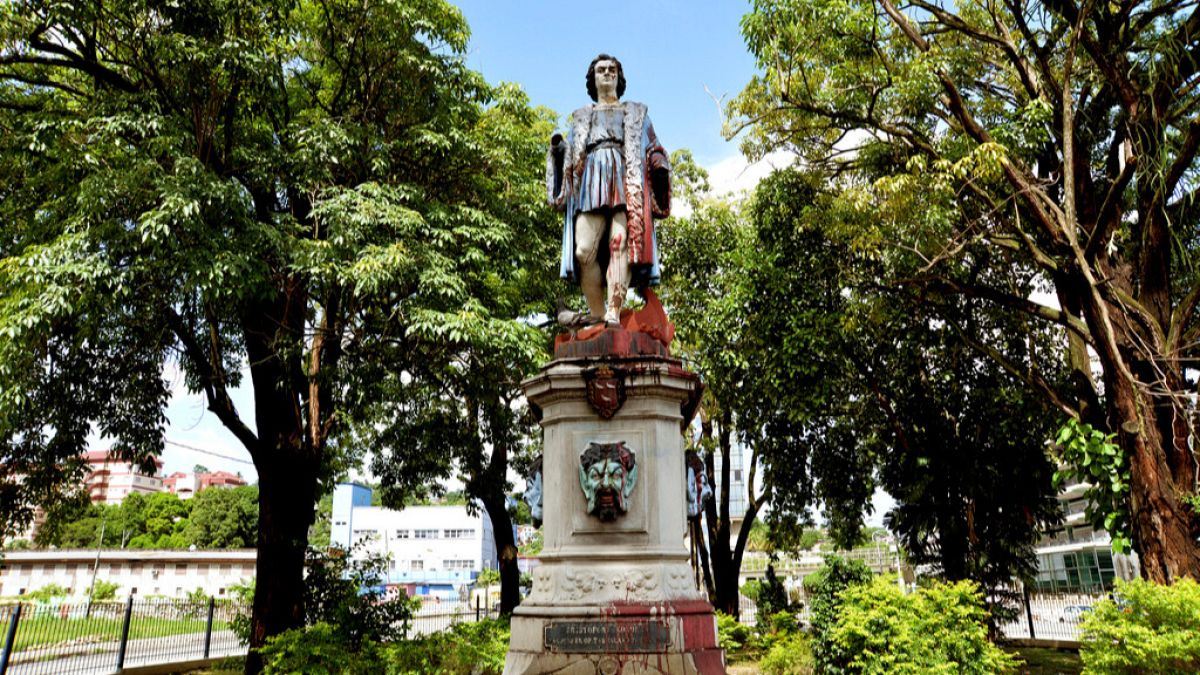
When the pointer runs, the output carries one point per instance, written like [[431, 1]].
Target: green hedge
[[941, 628], [1148, 628]]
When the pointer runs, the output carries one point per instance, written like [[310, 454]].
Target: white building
[[1077, 558], [111, 479], [173, 573], [431, 550]]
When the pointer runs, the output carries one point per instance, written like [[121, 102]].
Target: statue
[[611, 178], [698, 489], [533, 491], [607, 474]]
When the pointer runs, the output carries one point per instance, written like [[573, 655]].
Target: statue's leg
[[618, 269], [589, 231]]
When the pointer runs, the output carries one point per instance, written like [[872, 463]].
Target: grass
[[1043, 661], [233, 665], [44, 631]]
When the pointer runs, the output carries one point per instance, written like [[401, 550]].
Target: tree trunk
[[506, 551], [724, 594], [286, 498]]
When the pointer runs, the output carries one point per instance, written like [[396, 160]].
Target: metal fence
[[100, 638], [1050, 616], [104, 637]]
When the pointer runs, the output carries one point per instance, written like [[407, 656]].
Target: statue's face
[[606, 79], [533, 496], [607, 483], [698, 491]]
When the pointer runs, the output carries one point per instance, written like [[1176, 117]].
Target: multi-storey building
[[111, 479], [137, 572], [1075, 557], [185, 485], [430, 550]]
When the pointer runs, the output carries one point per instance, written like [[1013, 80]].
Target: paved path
[[100, 658]]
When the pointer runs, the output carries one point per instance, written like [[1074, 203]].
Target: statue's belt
[[616, 145]]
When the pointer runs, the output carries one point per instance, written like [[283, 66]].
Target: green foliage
[[319, 649], [731, 635], [104, 590], [941, 628], [488, 577], [825, 587], [17, 545], [319, 533], [1148, 628], [47, 593], [1091, 456], [790, 656], [224, 518], [240, 623], [533, 547], [348, 594], [477, 648]]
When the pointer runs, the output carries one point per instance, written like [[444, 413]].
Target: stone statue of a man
[[612, 179]]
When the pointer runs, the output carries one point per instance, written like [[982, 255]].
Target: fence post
[[212, 603], [1029, 613], [10, 641], [477, 608], [124, 634]]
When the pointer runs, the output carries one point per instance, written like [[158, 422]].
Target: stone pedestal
[[614, 596]]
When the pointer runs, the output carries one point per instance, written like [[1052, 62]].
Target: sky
[[682, 58]]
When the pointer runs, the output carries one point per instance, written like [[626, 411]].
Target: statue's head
[[698, 489], [607, 474], [605, 68], [533, 491]]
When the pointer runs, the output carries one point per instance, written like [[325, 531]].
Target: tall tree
[[260, 187], [1047, 137]]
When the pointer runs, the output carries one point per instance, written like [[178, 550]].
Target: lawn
[[42, 631], [1041, 661]]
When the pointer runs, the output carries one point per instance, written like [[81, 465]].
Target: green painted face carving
[[607, 474]]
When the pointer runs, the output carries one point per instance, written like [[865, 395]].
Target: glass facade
[[1087, 571]]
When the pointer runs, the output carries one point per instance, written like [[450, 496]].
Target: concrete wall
[[138, 572]]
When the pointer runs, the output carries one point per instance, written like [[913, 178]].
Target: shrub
[[47, 593], [319, 650], [349, 595], [790, 656], [731, 635], [824, 587], [1149, 628], [939, 629], [477, 648], [104, 590]]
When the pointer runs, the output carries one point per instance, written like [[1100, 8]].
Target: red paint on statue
[[647, 331]]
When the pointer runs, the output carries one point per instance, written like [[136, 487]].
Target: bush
[[731, 635], [349, 595], [466, 649], [47, 593], [319, 650], [790, 656], [824, 587], [939, 629], [1148, 629], [104, 590]]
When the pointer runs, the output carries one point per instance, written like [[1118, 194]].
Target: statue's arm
[[658, 163], [555, 175]]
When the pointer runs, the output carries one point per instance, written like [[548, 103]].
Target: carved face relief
[[698, 489], [533, 491], [607, 474]]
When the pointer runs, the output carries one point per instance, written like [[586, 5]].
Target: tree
[[269, 193], [1046, 140], [224, 518]]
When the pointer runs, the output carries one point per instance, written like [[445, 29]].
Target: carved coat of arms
[[605, 390]]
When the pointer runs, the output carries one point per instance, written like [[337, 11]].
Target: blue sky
[[670, 50]]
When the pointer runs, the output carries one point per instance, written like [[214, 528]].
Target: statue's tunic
[[602, 175]]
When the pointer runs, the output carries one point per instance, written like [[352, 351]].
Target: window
[[221, 591], [402, 534], [414, 566], [460, 534], [226, 569], [202, 569], [737, 474], [458, 564], [180, 568], [425, 534]]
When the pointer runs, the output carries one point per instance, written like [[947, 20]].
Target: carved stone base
[[670, 638]]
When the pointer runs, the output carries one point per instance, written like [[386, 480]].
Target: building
[[111, 479], [173, 573], [1075, 558], [185, 485], [430, 550]]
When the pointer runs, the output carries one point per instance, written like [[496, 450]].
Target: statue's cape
[[647, 172]]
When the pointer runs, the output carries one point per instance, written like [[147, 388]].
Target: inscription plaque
[[592, 637]]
